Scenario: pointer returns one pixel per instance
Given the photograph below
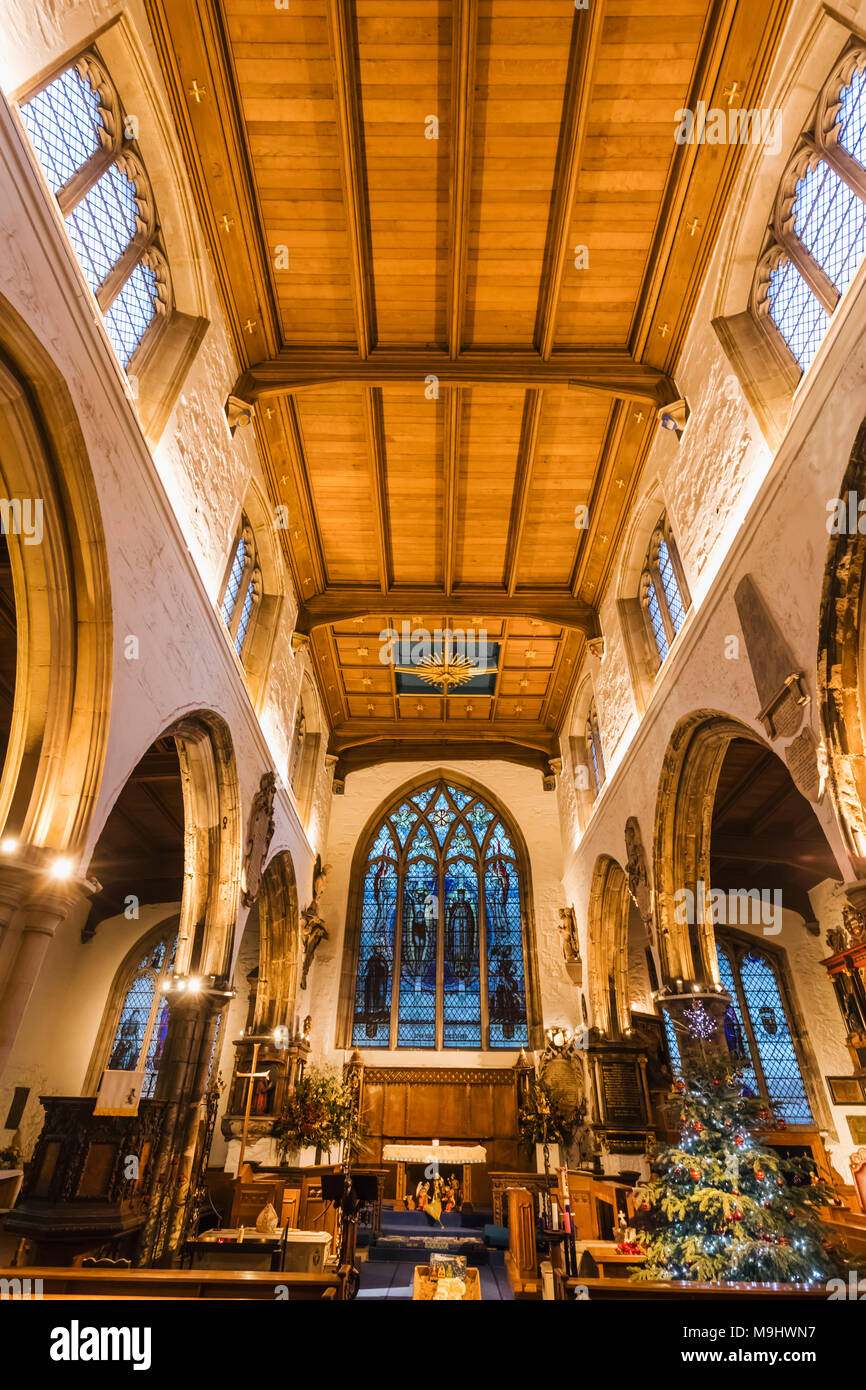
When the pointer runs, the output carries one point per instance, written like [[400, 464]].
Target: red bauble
[[738, 1215], [727, 1124], [779, 1182], [697, 1127], [738, 1139], [694, 1174], [760, 1174], [735, 1192], [715, 1081]]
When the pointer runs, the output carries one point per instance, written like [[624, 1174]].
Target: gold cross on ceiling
[[731, 92], [197, 92]]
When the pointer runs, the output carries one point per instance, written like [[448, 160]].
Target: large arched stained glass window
[[442, 957]]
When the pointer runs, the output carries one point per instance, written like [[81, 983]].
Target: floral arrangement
[[10, 1157], [542, 1123], [317, 1113]]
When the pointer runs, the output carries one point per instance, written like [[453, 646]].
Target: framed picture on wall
[[847, 1090]]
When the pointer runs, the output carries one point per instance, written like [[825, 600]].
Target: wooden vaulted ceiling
[[394, 192]]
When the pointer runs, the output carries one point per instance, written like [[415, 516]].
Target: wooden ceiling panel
[[414, 483], [570, 438], [404, 81], [521, 66], [282, 67], [645, 65], [490, 441], [336, 451]]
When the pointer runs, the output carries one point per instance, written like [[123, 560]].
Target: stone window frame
[[651, 575], [124, 975], [819, 141], [147, 246]]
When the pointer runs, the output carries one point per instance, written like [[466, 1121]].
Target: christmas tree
[[721, 1206]]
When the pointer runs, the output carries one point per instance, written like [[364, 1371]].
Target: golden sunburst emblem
[[447, 669]]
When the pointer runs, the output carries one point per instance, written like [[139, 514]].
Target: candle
[[566, 1218], [554, 1210]]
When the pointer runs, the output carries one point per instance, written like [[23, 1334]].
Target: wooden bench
[[73, 1283]]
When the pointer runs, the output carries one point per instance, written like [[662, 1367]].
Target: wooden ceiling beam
[[585, 40], [344, 58], [775, 849], [355, 757], [612, 372], [301, 479], [464, 31], [558, 608]]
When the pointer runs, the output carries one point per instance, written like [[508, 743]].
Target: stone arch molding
[[841, 671], [681, 843], [60, 721], [608, 945]]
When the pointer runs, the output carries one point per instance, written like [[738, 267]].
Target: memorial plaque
[[801, 755], [857, 1126], [621, 1093]]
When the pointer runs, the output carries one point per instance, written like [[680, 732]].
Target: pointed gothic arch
[[440, 838]]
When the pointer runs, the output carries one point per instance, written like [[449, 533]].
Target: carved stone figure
[[637, 874], [568, 929], [314, 931], [260, 832]]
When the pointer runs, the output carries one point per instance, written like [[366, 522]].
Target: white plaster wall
[[533, 810]]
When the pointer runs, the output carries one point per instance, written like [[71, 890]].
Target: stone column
[[28, 937], [181, 1082]]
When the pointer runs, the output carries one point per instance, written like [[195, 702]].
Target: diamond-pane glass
[[657, 622], [505, 983], [132, 312], [453, 917], [63, 122], [851, 119], [593, 757], [671, 587], [830, 220], [773, 1039], [462, 978], [796, 312], [416, 1025], [133, 1024], [230, 597], [103, 224], [144, 1017], [735, 1032], [245, 620], [673, 1043], [155, 1051], [376, 954]]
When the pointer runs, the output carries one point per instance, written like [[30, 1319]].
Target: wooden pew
[[75, 1283]]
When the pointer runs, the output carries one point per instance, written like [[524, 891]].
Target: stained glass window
[[441, 956], [102, 194], [139, 1035], [662, 590], [757, 1032]]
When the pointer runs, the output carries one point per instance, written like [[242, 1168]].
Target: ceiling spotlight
[[8, 845]]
